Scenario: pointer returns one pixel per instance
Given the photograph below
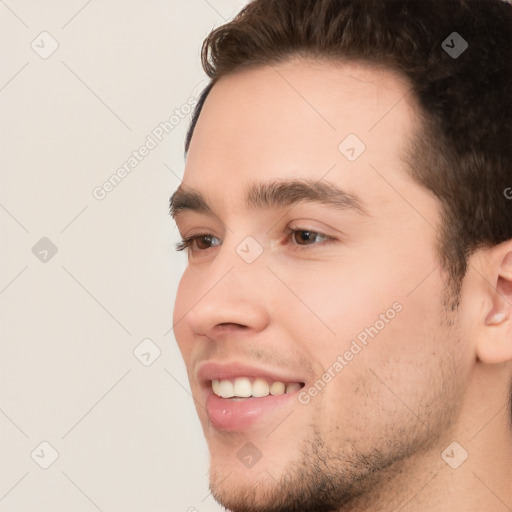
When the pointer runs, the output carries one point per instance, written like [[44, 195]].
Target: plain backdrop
[[95, 411]]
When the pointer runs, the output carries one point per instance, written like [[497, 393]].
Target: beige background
[[124, 428]]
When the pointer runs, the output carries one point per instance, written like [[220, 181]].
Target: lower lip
[[231, 415]]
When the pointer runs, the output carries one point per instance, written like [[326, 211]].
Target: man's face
[[346, 311]]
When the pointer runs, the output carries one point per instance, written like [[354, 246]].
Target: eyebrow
[[273, 194]]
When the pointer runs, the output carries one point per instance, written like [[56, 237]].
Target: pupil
[[307, 235], [205, 241]]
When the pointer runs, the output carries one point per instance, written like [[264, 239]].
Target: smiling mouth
[[243, 388]]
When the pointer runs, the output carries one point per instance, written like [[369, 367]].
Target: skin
[[372, 438]]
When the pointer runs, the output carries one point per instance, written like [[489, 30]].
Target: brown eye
[[201, 244], [305, 237]]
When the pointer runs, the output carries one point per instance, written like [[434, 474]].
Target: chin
[[242, 491]]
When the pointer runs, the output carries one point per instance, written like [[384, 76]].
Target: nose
[[226, 298]]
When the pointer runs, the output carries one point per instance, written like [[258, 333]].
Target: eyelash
[[187, 242]]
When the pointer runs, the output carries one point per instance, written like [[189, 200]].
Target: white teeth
[[226, 389], [260, 388], [277, 388], [244, 387]]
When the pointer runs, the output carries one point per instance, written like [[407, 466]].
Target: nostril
[[231, 325]]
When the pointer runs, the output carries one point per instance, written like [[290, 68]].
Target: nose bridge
[[231, 290]]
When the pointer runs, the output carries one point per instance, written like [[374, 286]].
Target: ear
[[494, 345]]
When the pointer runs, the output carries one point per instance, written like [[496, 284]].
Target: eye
[[200, 239], [204, 241], [307, 236]]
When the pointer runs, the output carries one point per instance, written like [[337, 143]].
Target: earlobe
[[495, 345]]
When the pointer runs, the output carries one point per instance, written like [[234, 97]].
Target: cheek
[[340, 301], [353, 293], [378, 317], [409, 357]]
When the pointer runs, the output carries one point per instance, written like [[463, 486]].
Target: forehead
[[298, 119]]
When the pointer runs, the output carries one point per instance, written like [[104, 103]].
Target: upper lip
[[213, 370]]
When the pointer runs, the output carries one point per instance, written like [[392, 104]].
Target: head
[[356, 124]]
